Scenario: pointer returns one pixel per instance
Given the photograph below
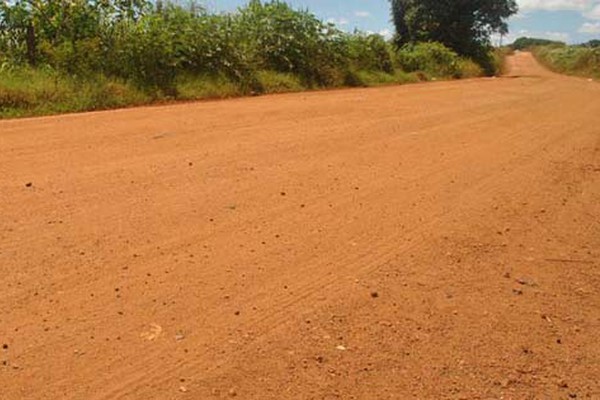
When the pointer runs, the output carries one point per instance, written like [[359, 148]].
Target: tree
[[465, 26], [524, 43]]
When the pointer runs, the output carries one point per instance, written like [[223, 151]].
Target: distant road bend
[[432, 241]]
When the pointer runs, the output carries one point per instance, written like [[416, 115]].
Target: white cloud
[[341, 21], [362, 14], [594, 13], [555, 5], [386, 33], [590, 28], [560, 36]]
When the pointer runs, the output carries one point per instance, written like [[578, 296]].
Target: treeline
[[525, 43], [108, 53]]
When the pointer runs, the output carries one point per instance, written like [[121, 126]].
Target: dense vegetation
[[582, 59], [463, 26], [524, 43], [579, 60], [74, 55]]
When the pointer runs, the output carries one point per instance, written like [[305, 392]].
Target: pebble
[[374, 295], [341, 348], [183, 389], [563, 385], [29, 184]]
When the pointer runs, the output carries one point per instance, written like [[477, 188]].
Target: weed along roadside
[[107, 55]]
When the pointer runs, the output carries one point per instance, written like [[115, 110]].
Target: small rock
[[232, 393], [29, 184], [374, 295], [4, 347], [183, 389], [507, 275], [179, 336], [573, 395], [518, 292], [563, 385], [341, 348], [525, 282]]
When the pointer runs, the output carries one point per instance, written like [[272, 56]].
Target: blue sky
[[572, 21]]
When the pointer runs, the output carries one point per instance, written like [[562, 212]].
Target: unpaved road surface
[[436, 241]]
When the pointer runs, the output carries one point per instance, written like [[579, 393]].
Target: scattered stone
[[237, 313], [563, 385], [341, 348], [374, 295], [232, 392], [518, 292], [29, 184], [320, 359], [283, 193], [525, 282], [5, 347], [573, 395], [183, 389], [507, 275], [179, 336]]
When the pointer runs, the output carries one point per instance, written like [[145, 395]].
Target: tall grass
[[573, 60], [112, 54]]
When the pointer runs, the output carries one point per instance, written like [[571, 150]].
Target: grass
[[571, 60], [377, 78], [26, 92]]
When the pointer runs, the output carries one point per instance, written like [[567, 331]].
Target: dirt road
[[435, 241]]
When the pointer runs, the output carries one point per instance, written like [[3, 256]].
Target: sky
[[572, 21]]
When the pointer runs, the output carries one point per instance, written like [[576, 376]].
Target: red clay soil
[[436, 241]]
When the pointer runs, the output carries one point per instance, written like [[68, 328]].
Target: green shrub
[[279, 82], [86, 55], [431, 58], [469, 69], [370, 52], [576, 60]]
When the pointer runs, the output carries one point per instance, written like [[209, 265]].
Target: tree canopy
[[465, 26], [524, 43]]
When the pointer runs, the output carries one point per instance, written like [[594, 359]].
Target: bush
[[370, 52], [98, 54], [432, 58], [576, 60]]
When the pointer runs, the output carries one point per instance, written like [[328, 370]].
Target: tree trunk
[[31, 45]]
